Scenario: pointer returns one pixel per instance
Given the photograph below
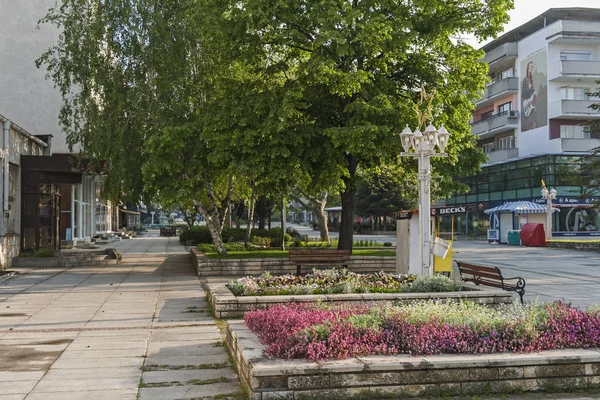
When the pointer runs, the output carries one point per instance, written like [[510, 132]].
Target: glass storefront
[[521, 180]]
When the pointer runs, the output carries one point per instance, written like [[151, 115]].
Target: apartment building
[[28, 97], [533, 121]]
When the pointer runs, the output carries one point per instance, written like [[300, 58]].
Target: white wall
[[25, 95]]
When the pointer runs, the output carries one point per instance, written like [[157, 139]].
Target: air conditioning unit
[[513, 114]]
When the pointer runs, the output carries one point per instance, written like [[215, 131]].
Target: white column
[[549, 218], [424, 212]]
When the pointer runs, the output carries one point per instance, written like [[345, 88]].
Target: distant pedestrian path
[[140, 329]]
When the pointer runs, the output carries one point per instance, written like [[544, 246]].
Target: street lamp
[[548, 195], [423, 146]]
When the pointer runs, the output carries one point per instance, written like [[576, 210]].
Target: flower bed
[[337, 281], [318, 332]]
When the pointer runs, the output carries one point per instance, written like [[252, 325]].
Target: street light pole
[[548, 196], [423, 145]]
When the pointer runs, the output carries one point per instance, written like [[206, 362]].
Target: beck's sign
[[449, 210]]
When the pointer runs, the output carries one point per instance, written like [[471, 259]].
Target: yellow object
[[443, 264]]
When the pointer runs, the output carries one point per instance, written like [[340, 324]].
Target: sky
[[526, 10]]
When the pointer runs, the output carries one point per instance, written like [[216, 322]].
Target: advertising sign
[[534, 91]]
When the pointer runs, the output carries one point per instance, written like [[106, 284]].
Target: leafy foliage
[[422, 328]]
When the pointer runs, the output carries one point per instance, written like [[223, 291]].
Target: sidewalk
[[141, 328]]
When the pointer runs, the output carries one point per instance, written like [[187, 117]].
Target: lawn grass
[[284, 254]]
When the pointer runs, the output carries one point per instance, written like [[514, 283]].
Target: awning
[[520, 207]]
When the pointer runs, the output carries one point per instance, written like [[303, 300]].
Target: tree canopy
[[189, 99]]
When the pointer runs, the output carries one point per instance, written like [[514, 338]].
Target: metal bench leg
[[521, 294]]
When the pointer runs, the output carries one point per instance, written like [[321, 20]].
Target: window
[[506, 142], [488, 147], [575, 56], [506, 107], [574, 132], [575, 93], [507, 73]]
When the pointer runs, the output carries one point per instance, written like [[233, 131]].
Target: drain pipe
[[7, 126]]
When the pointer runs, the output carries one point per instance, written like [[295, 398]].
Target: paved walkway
[[550, 274], [141, 328]]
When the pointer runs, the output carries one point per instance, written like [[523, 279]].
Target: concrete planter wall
[[226, 305], [402, 376], [583, 245], [235, 267]]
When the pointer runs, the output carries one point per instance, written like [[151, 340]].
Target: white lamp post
[[152, 213], [549, 195], [423, 146]]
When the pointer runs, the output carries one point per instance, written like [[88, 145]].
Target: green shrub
[[433, 283], [196, 235], [264, 242], [44, 252], [387, 244], [235, 235], [210, 248]]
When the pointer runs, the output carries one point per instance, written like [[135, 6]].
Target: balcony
[[579, 145], [569, 32], [501, 155], [573, 109], [498, 89], [574, 70], [502, 56], [498, 123]]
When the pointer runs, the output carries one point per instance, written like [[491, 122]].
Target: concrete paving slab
[[116, 362], [188, 392], [86, 385], [12, 376], [128, 394], [100, 373], [17, 387], [187, 360], [188, 375]]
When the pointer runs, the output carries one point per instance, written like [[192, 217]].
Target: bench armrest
[[520, 282]]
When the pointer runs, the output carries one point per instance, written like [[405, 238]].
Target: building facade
[[30, 98], [18, 143], [533, 120]]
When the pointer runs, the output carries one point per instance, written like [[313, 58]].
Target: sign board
[[404, 215], [450, 210], [492, 234]]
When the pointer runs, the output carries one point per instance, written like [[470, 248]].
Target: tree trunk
[[283, 224], [250, 218], [213, 224], [347, 221], [317, 207], [348, 195]]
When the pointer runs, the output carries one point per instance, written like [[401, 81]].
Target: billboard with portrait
[[534, 91]]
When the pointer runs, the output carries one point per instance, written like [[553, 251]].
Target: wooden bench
[[319, 257], [490, 276]]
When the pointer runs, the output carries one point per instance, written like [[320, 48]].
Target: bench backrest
[[489, 276], [319, 255]]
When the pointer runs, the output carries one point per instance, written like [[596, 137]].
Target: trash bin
[[514, 238]]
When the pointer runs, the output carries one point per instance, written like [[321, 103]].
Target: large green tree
[[348, 72]]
